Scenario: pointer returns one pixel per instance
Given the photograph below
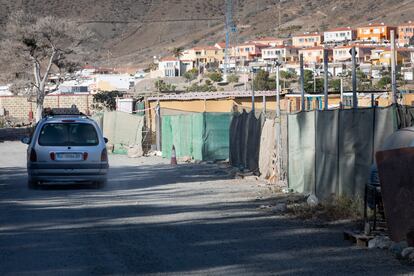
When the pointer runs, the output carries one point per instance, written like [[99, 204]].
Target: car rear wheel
[[100, 184], [32, 184]]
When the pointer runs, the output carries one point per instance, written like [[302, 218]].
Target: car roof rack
[[62, 111]]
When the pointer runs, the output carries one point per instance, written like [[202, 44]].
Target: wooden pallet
[[360, 239]]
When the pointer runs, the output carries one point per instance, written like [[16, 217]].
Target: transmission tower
[[230, 28]]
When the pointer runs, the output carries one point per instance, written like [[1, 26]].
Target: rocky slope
[[131, 32]]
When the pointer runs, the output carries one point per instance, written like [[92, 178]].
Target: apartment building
[[343, 53], [314, 55], [248, 51], [381, 56], [280, 53], [204, 54], [406, 34], [307, 40], [339, 35], [377, 33]]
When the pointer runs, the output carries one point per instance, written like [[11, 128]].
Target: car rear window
[[68, 134]]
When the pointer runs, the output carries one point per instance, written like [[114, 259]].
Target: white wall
[[338, 36]]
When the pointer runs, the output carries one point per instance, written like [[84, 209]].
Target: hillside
[[131, 32]]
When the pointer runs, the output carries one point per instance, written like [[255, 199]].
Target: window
[[68, 134]]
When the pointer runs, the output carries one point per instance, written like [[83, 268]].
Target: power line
[[148, 21]]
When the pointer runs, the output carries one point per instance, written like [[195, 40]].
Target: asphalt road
[[155, 219]]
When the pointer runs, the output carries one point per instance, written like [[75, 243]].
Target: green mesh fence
[[202, 136]]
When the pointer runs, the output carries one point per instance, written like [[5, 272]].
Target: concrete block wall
[[13, 134], [19, 107]]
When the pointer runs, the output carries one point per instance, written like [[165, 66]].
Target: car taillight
[[53, 156], [85, 155], [33, 156], [104, 155]]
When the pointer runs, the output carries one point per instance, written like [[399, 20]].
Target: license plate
[[68, 156]]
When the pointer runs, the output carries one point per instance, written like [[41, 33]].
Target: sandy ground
[[152, 218]]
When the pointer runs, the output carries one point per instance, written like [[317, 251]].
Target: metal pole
[[279, 167], [264, 104], [354, 79], [314, 79], [341, 104], [252, 90], [325, 68], [158, 126], [393, 69], [302, 83], [277, 90]]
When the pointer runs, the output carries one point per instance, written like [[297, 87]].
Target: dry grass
[[338, 208]]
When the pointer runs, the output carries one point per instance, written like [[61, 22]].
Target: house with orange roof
[[307, 40], [339, 35], [375, 32], [221, 45], [343, 53], [271, 41], [248, 51], [280, 53], [204, 55], [406, 34], [314, 55]]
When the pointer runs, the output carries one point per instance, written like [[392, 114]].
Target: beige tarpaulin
[[124, 131], [267, 153]]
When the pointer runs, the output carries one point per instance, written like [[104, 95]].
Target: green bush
[[215, 76], [191, 74], [201, 88], [262, 81], [233, 78], [161, 86]]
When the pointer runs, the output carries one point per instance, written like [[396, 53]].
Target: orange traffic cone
[[173, 156]]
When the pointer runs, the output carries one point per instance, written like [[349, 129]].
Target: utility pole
[[314, 78], [253, 90], [354, 79], [302, 83], [393, 68], [277, 65], [341, 103], [279, 159], [325, 69], [229, 28]]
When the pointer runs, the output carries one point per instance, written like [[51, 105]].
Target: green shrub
[[201, 88], [215, 76], [233, 78], [191, 74]]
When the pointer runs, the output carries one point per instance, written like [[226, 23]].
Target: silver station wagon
[[66, 148]]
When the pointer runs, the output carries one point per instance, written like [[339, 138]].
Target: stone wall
[[19, 107]]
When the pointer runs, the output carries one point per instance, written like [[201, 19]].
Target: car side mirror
[[26, 140], [106, 140]]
